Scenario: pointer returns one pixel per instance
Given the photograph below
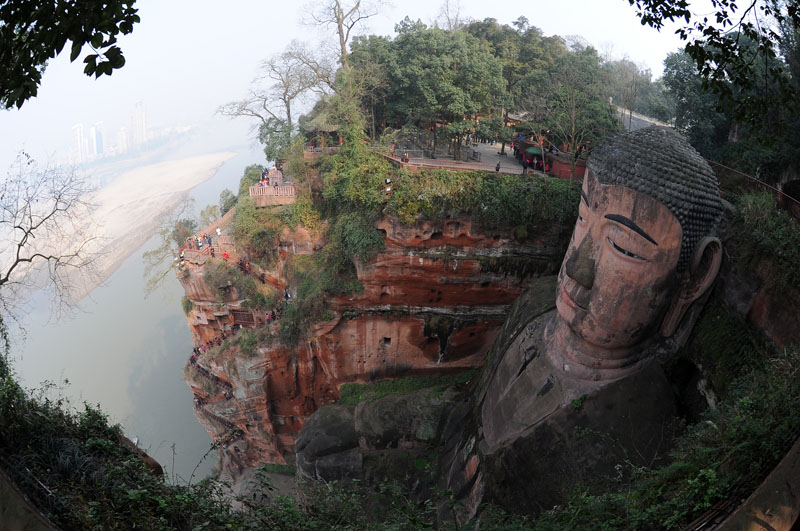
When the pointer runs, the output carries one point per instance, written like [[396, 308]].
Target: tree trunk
[[504, 119], [372, 112], [572, 163], [340, 29]]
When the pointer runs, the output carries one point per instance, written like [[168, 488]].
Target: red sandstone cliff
[[432, 302]]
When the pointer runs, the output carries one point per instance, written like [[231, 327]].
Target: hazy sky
[[187, 57]]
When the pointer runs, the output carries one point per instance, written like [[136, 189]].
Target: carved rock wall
[[432, 303]]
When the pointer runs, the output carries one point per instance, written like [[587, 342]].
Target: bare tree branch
[[43, 240], [283, 80], [344, 16]]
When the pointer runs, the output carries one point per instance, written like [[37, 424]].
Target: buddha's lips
[[574, 294]]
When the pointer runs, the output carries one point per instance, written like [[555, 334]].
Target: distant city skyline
[[85, 149]]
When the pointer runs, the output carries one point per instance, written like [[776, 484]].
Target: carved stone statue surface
[[643, 250]]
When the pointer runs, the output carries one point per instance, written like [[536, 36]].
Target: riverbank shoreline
[[128, 211]]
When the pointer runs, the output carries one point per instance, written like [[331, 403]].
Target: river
[[126, 352]]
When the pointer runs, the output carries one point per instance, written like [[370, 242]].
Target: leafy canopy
[[32, 33]]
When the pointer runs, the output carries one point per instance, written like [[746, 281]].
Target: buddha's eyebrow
[[631, 225], [585, 199]]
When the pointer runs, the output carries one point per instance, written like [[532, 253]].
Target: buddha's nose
[[581, 265]]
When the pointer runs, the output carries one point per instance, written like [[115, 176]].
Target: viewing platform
[[264, 196]]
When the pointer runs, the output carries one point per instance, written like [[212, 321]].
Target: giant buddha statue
[[580, 390], [643, 250], [574, 389]]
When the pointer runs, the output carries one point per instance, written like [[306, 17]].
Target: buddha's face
[[618, 275]]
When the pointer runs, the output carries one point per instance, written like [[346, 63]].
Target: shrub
[[251, 176], [354, 236], [256, 229], [227, 200], [494, 200], [222, 276], [183, 229], [355, 177], [186, 304], [762, 229], [301, 212], [72, 466], [250, 340]]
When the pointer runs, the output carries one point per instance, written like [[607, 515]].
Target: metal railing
[[736, 183]]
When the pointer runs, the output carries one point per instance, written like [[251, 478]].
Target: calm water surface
[[127, 352]]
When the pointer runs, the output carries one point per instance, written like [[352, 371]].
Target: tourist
[[225, 255], [497, 168]]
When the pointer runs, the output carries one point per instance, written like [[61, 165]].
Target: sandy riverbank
[[128, 210]]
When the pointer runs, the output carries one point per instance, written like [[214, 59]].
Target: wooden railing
[[286, 190]]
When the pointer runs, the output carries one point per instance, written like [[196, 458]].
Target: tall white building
[[79, 152], [139, 124], [96, 140], [121, 141]]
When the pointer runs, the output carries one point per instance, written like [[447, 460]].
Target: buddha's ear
[[703, 271]]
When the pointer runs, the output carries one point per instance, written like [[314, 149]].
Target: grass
[[284, 470], [351, 394]]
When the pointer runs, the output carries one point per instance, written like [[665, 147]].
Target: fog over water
[[127, 352]]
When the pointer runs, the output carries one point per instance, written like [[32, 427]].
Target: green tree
[[32, 33], [209, 215], [443, 77], [174, 229], [696, 113], [271, 106], [577, 112], [227, 200], [527, 56], [730, 48]]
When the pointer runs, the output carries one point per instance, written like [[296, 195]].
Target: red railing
[[220, 244]]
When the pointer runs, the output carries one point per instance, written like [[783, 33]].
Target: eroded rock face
[[432, 303]]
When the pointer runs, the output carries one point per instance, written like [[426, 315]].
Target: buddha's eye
[[580, 218], [623, 251]]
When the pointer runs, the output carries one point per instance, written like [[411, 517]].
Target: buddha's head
[[644, 245]]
